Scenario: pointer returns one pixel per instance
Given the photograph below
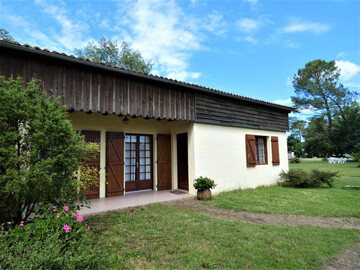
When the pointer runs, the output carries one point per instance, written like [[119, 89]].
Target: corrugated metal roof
[[81, 60]]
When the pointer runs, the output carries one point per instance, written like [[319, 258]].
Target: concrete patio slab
[[132, 200]]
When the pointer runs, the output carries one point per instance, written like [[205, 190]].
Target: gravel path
[[349, 260]]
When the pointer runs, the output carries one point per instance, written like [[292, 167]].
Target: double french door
[[138, 162]]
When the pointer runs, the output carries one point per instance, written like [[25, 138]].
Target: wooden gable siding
[[212, 109], [87, 89], [92, 87]]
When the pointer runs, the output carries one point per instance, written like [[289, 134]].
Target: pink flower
[[66, 208], [88, 229], [58, 215], [76, 214], [22, 223], [54, 208], [79, 218], [67, 228]]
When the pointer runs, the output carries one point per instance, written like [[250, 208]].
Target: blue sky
[[251, 47]]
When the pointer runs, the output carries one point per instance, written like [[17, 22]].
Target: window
[[260, 150], [256, 150]]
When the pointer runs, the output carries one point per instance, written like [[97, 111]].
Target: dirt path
[[349, 260], [196, 206]]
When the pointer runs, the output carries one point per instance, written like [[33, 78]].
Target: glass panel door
[[138, 162], [130, 157], [144, 156]]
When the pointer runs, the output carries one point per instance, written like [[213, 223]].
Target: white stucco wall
[[220, 153]]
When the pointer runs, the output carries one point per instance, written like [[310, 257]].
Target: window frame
[[257, 150]]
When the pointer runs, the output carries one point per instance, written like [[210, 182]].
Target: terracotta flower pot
[[204, 194]]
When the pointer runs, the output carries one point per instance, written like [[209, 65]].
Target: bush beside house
[[40, 157], [299, 178]]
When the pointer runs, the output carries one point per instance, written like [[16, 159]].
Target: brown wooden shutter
[[275, 150], [164, 161], [114, 163], [250, 151], [92, 137]]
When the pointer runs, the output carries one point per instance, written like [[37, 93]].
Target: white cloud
[[340, 55], [247, 25], [296, 26], [183, 75], [289, 81], [286, 102], [105, 24], [17, 20], [308, 111], [215, 23], [250, 39], [162, 31], [71, 33], [348, 70], [350, 84]]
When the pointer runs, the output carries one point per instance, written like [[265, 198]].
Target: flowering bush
[[56, 240]]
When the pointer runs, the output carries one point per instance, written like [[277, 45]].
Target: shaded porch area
[[133, 199]]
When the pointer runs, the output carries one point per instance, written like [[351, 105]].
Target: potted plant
[[203, 186]]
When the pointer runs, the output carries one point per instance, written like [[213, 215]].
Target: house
[[158, 133]]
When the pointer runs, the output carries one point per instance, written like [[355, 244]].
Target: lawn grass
[[347, 169], [331, 202], [160, 236]]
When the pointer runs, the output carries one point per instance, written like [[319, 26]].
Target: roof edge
[[87, 62]]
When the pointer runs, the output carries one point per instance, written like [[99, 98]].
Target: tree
[[317, 141], [39, 151], [5, 35], [297, 128], [295, 145], [110, 52], [346, 132], [317, 87]]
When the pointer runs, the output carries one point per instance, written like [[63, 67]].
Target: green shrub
[[323, 177], [294, 160], [39, 151], [203, 183], [46, 243], [299, 178]]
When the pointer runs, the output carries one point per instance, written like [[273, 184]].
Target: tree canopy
[[318, 87], [110, 52]]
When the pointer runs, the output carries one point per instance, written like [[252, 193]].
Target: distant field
[[347, 169]]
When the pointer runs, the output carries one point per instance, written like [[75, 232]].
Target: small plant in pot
[[203, 186]]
